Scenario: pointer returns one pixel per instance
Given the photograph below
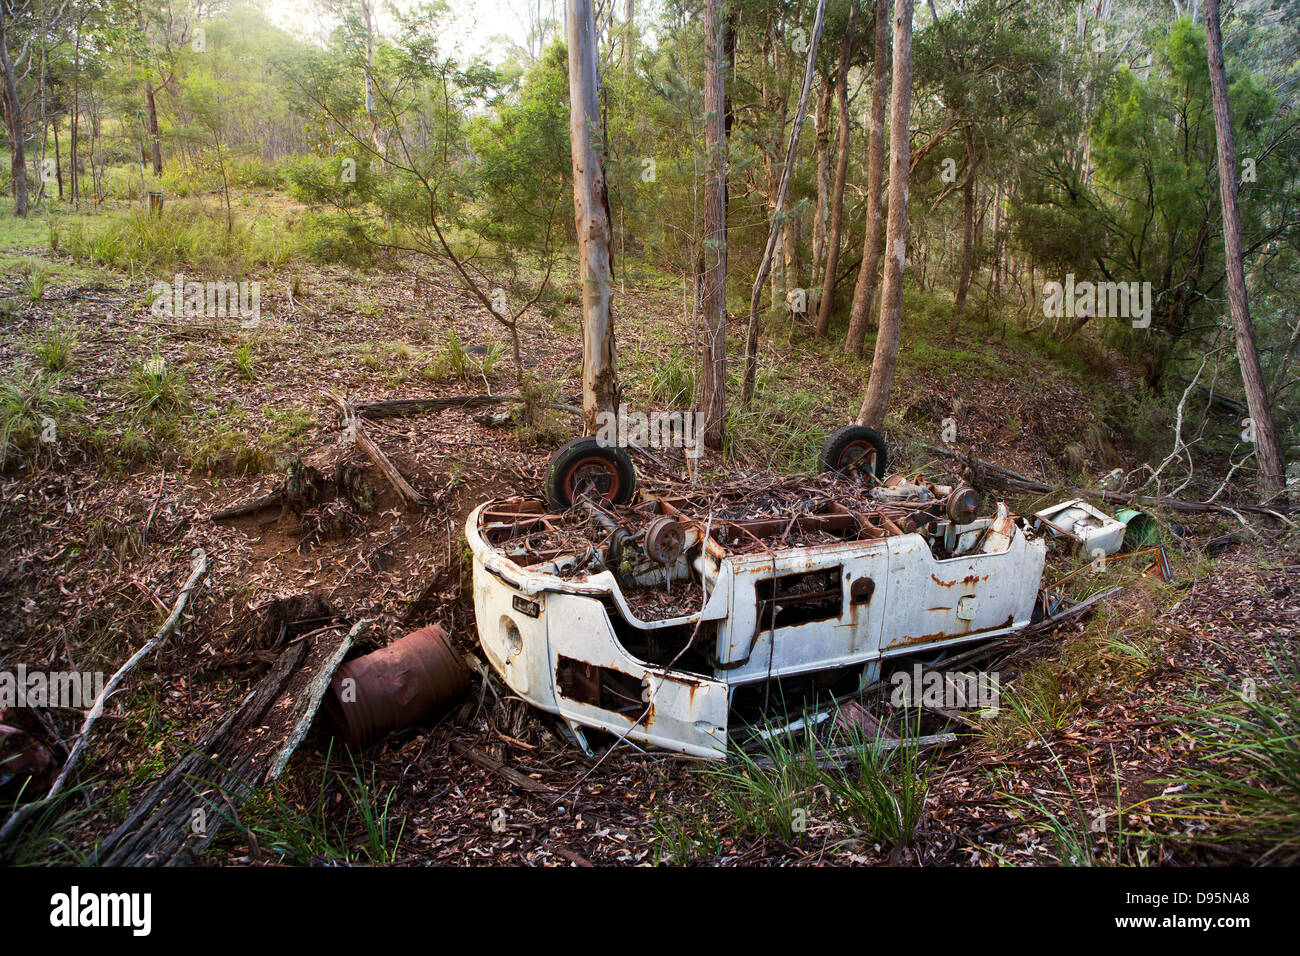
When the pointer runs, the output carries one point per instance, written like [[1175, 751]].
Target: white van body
[[561, 640]]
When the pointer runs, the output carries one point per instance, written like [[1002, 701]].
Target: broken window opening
[[602, 687], [800, 598], [662, 646]]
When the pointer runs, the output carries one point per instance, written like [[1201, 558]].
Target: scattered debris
[[199, 567], [1090, 531], [185, 809]]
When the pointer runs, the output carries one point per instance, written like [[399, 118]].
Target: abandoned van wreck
[[425, 438], [655, 616]]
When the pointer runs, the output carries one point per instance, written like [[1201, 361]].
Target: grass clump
[[1246, 787], [869, 787], [243, 359], [305, 832], [156, 387], [36, 416], [53, 348], [33, 280]]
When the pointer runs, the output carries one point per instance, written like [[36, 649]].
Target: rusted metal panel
[[673, 709], [982, 594]]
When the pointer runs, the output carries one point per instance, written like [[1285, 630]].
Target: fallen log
[[199, 567], [183, 812], [401, 407], [1021, 483], [272, 499]]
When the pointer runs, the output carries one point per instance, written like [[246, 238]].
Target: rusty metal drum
[[410, 680]]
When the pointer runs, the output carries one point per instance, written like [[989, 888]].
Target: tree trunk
[[58, 160], [74, 185], [793, 267], [885, 360], [841, 174], [865, 291], [367, 19], [629, 35], [823, 144], [998, 265], [591, 217], [967, 238], [756, 294], [13, 119], [1268, 450], [155, 137], [713, 276]]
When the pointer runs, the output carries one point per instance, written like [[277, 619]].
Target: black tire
[[845, 447], [605, 470]]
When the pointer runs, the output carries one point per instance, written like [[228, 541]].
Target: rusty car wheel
[[591, 468], [854, 449]]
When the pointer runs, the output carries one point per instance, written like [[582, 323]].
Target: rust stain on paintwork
[[968, 579], [940, 635]]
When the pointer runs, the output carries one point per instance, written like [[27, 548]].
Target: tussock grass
[[243, 358], [1247, 786], [53, 348], [42, 840], [156, 387], [791, 781], [309, 831], [35, 415], [33, 281], [187, 236]]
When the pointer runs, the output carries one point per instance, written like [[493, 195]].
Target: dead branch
[[355, 431], [401, 407], [1019, 483], [199, 567], [497, 767]]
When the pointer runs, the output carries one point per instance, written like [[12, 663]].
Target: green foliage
[[35, 415], [1245, 784], [33, 283], [313, 834], [156, 387], [53, 348], [672, 384], [338, 239], [44, 839], [791, 779], [1035, 706], [244, 359], [523, 178], [186, 236], [881, 791]]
